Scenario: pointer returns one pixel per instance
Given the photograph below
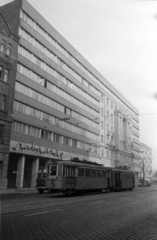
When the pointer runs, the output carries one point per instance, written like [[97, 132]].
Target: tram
[[73, 176]]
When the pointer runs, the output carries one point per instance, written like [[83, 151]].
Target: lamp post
[[143, 167], [143, 171]]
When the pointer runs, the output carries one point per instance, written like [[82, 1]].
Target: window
[[98, 173], [107, 115], [103, 174], [1, 72], [87, 172], [2, 47], [102, 139], [1, 134], [80, 172], [3, 100], [107, 153], [107, 102], [101, 111], [101, 97], [8, 50], [6, 75], [93, 172], [101, 124], [111, 105], [102, 153], [53, 170], [111, 117]]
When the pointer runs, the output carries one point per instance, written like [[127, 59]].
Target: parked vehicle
[[74, 176], [144, 183]]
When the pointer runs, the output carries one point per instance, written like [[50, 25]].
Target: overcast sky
[[119, 38]]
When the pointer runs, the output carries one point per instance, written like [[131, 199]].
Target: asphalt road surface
[[107, 216]]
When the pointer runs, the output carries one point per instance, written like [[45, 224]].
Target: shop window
[[1, 134]]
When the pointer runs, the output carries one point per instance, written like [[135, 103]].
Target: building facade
[[145, 162], [8, 56], [63, 106]]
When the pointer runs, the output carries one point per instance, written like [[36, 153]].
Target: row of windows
[[49, 136], [4, 74], [53, 57], [85, 172], [51, 40], [22, 108], [127, 176], [49, 102], [48, 69], [5, 47], [38, 79], [42, 32], [3, 101]]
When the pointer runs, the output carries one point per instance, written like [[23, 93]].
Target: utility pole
[[143, 171]]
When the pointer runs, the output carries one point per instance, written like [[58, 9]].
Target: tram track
[[64, 201]]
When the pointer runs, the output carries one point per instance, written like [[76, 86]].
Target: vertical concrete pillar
[[35, 167], [4, 171], [20, 172]]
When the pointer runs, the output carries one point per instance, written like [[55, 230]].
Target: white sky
[[119, 38]]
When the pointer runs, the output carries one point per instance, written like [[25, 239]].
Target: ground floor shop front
[[19, 168]]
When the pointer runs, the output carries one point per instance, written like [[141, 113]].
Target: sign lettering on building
[[33, 147]]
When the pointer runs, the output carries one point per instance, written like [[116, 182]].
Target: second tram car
[[72, 177]]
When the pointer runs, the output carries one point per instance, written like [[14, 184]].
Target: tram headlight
[[52, 184]]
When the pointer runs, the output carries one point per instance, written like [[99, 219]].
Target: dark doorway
[[27, 172], [12, 170]]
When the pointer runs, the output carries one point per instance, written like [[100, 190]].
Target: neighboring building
[[63, 106], [146, 162], [8, 56]]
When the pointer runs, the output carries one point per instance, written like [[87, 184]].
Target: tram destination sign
[[16, 146]]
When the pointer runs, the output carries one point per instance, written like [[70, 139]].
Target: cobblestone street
[[117, 215]]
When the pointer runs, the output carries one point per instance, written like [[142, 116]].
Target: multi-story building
[[145, 162], [8, 55], [63, 106]]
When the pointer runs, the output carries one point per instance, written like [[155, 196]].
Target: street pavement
[[107, 216]]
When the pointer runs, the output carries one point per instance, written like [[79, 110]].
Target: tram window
[[104, 174], [93, 173], [53, 170], [87, 172], [98, 173], [81, 172]]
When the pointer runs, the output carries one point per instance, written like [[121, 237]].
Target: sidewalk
[[18, 191]]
